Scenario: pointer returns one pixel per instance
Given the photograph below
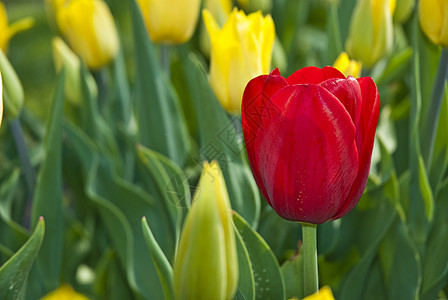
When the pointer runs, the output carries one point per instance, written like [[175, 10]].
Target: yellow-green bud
[[206, 263], [403, 10], [64, 57], [12, 88], [371, 31]]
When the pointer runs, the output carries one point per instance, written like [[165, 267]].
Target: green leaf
[[266, 271], [292, 271], [163, 267], [161, 124], [14, 273], [220, 139], [48, 195], [425, 190], [395, 67], [435, 267], [400, 263], [246, 284]]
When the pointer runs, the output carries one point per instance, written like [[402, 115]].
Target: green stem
[[27, 167], [166, 59], [432, 118], [309, 250]]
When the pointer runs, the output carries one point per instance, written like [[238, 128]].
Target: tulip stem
[[166, 59], [27, 167], [432, 118], [309, 250]]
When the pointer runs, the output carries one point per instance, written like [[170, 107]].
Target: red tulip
[[309, 139]]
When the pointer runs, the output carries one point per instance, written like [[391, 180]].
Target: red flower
[[309, 140]]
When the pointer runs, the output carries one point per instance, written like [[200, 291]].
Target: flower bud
[[8, 31], [347, 66], [241, 50], [371, 31], [170, 22], [13, 90], [206, 264], [404, 10], [64, 292], [65, 58], [323, 294], [433, 16], [90, 31]]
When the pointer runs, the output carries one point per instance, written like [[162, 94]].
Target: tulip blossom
[[347, 66], [170, 22], [241, 50], [323, 294], [64, 292], [8, 31], [90, 31], [371, 30], [309, 139], [206, 263], [433, 15]]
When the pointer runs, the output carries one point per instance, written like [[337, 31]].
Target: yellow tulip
[[241, 50], [170, 22], [90, 30], [206, 263], [1, 99], [323, 294], [347, 66], [8, 31], [371, 31], [433, 15], [64, 292]]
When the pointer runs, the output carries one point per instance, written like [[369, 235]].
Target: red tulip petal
[[306, 156], [314, 75], [370, 111], [348, 92], [257, 93]]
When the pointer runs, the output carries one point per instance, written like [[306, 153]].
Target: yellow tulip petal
[[323, 294]]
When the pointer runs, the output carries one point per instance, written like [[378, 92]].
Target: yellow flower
[[64, 292], [433, 15], [90, 30], [1, 99], [241, 50], [371, 31], [220, 9], [206, 264], [170, 22], [347, 66], [323, 294], [8, 31]]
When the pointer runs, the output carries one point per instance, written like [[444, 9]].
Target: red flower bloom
[[309, 139]]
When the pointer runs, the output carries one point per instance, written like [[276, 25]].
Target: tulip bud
[[206, 264], [241, 50], [90, 31], [7, 31], [433, 16], [347, 66], [65, 58], [170, 22], [404, 10], [1, 99], [64, 292], [13, 90], [323, 294], [371, 31]]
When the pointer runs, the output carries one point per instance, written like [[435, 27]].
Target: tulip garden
[[217, 149]]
